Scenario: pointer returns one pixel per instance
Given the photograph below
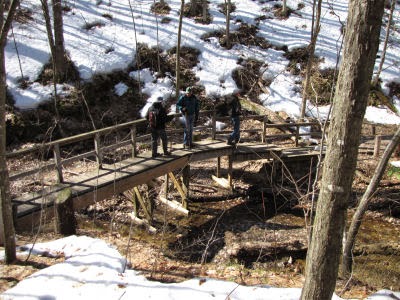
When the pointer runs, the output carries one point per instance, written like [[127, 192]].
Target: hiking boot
[[229, 143], [167, 153], [155, 155]]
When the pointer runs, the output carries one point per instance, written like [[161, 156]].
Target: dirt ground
[[209, 242]]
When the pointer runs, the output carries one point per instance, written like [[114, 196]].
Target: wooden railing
[[98, 149]]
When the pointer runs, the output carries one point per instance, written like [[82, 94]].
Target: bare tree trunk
[[49, 30], [363, 204], [378, 73], [350, 101], [178, 52], [284, 8], [56, 39], [311, 50], [60, 61], [193, 4], [228, 21], [205, 4], [137, 56], [7, 231]]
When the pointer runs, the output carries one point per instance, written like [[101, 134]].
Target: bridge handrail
[[98, 149]]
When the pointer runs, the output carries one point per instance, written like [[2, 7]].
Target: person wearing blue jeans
[[235, 112], [188, 105]]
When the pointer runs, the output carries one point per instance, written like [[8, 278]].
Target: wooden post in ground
[[65, 222], [97, 148], [230, 168], [377, 146], [133, 141], [135, 203], [264, 130], [274, 171], [166, 182], [179, 188], [214, 124], [150, 200], [297, 136], [218, 167], [185, 183], [57, 160], [142, 204]]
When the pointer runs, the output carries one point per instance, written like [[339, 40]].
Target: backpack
[[235, 108], [153, 118]]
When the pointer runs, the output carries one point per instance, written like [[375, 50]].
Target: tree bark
[[7, 231], [178, 52], [60, 60], [205, 6], [363, 204], [55, 35], [350, 101], [228, 21], [311, 51], [284, 8]]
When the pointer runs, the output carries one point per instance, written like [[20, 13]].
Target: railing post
[[57, 160], [97, 149], [377, 146], [214, 124], [133, 141], [373, 129], [264, 130]]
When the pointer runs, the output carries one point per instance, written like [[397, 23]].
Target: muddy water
[[238, 227], [377, 253]]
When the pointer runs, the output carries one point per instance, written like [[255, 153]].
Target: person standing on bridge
[[157, 117], [235, 109], [188, 105]]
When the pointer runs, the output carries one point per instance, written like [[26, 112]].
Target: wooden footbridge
[[135, 166]]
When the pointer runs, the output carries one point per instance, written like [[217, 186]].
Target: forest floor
[[221, 236]]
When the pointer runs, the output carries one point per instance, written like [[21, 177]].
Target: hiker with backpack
[[157, 117], [188, 105], [235, 109]]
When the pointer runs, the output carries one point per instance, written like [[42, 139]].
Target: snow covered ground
[[111, 46], [95, 270]]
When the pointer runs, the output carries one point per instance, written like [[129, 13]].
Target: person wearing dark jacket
[[188, 105], [157, 117], [235, 109]]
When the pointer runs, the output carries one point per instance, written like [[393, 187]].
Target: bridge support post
[[166, 182], [218, 173], [264, 130], [142, 204], [185, 183], [135, 204], [179, 188], [230, 168]]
